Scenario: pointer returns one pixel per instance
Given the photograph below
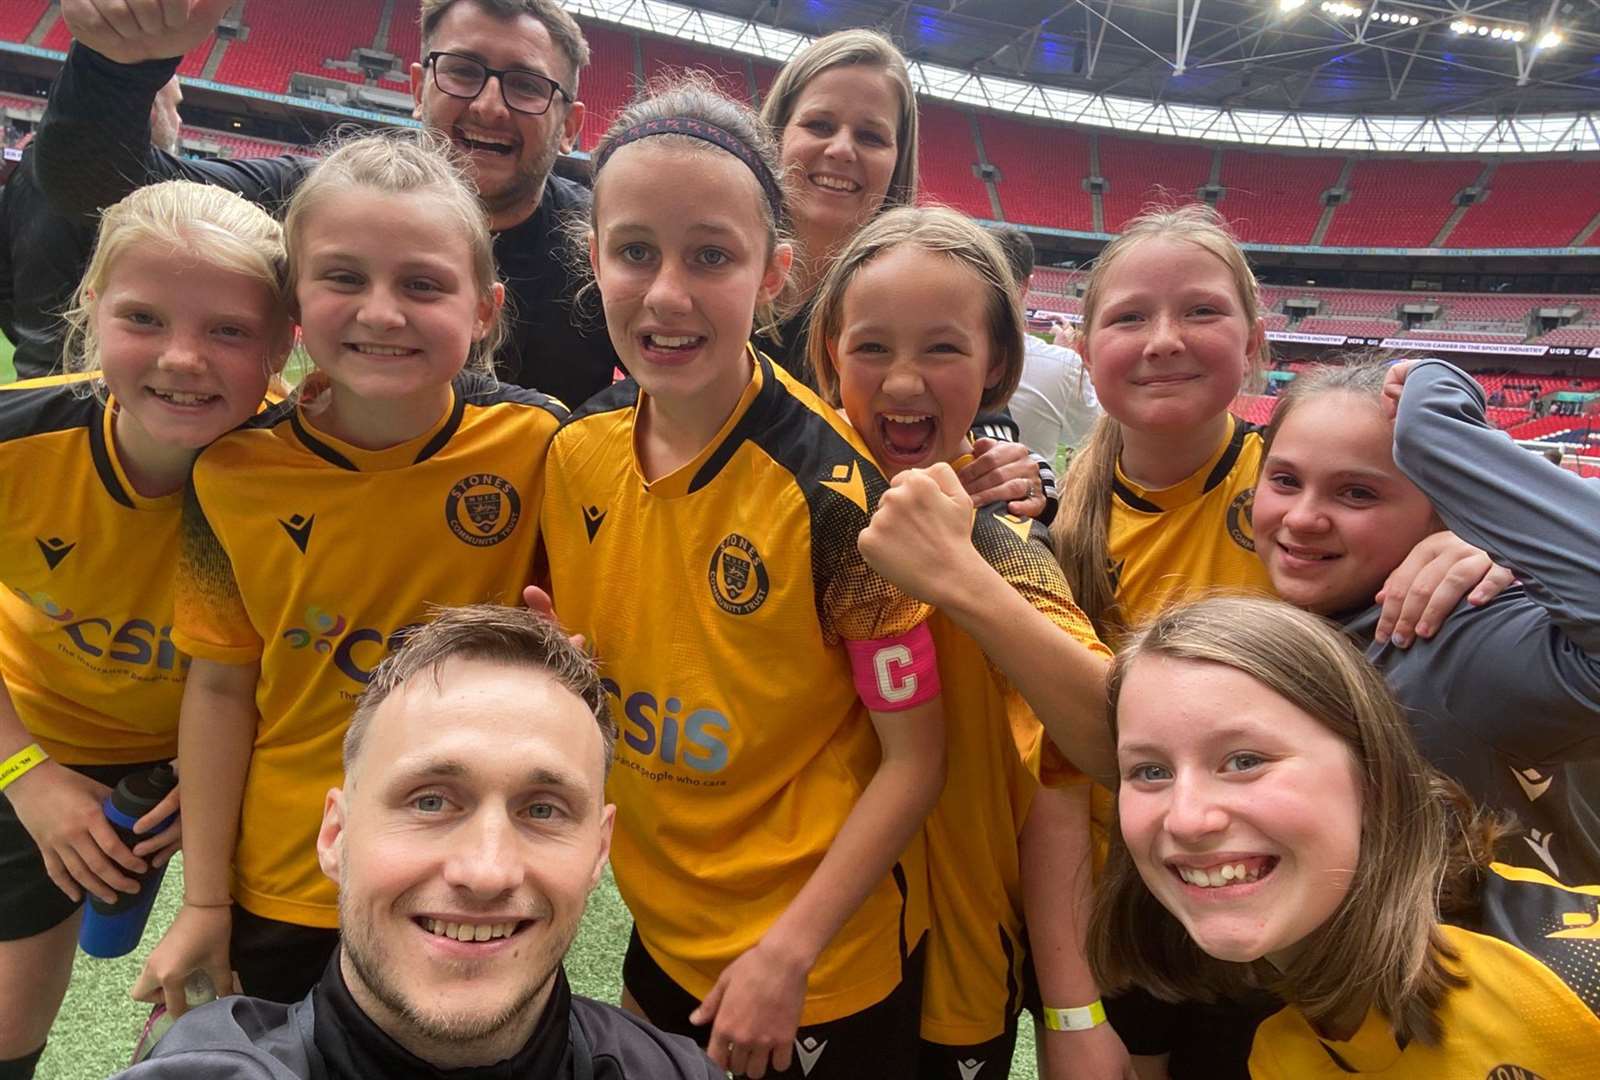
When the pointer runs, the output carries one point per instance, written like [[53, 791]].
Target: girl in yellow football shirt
[[179, 321], [1157, 505], [402, 475], [768, 804], [911, 385], [1279, 829]]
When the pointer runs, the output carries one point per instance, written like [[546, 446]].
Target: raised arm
[[93, 146], [1534, 517], [1536, 664]]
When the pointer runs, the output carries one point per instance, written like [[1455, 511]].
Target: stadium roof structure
[[1440, 76]]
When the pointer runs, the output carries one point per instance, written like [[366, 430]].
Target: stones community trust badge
[[738, 576], [482, 509]]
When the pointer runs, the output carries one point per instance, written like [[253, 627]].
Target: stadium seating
[[405, 35], [1048, 280], [946, 161], [1399, 203], [280, 45], [1039, 188], [1275, 198], [1427, 333], [1530, 204], [1139, 172], [1572, 336], [665, 54], [1255, 408], [19, 17], [1324, 324], [1506, 417], [607, 83], [1547, 426]]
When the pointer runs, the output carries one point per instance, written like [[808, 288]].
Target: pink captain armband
[[895, 673]]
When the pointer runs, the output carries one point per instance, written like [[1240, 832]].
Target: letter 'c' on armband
[[896, 673]]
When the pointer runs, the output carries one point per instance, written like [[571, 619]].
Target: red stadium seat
[[1399, 203], [607, 83], [19, 17], [1532, 204], [1275, 198], [662, 55], [280, 45], [1140, 172], [1039, 186], [946, 161]]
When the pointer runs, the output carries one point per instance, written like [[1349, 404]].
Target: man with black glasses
[[499, 78]]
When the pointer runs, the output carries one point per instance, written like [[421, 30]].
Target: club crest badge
[[738, 576], [482, 509], [1241, 526]]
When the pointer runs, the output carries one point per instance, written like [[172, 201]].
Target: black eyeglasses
[[463, 77]]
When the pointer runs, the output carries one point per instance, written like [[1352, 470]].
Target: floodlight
[[1551, 39]]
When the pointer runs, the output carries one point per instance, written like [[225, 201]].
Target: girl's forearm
[[885, 818], [216, 732]]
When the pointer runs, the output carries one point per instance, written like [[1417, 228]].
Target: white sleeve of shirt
[[1054, 404]]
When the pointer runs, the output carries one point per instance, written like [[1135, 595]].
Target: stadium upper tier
[[990, 165]]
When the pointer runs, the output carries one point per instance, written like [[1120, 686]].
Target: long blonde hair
[[402, 162], [943, 232], [188, 221], [1082, 527], [1425, 849]]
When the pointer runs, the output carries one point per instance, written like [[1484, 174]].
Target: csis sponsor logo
[[694, 738], [356, 652], [136, 643]]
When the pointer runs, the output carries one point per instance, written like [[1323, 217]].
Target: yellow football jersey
[[88, 564], [973, 980], [1528, 1011], [314, 557], [717, 598], [1191, 537], [1195, 535]]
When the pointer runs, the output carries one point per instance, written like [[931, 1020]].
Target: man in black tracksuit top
[[469, 831], [93, 147]]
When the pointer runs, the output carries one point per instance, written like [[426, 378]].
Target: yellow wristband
[[1080, 1019], [20, 762]]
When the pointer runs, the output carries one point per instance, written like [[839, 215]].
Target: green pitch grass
[[7, 372], [98, 1025]]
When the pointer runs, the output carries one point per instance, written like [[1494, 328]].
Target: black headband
[[706, 132]]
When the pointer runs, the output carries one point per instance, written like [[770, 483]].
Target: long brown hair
[[1082, 527], [1425, 849]]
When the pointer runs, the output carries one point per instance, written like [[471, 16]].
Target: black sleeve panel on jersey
[[41, 410], [853, 602], [476, 388], [1554, 925], [619, 395], [93, 145], [47, 409]]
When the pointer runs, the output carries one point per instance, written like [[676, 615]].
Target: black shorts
[[279, 961], [30, 903], [936, 1061], [879, 1041], [1203, 1040]]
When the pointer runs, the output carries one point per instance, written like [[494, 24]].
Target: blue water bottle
[[111, 930]]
